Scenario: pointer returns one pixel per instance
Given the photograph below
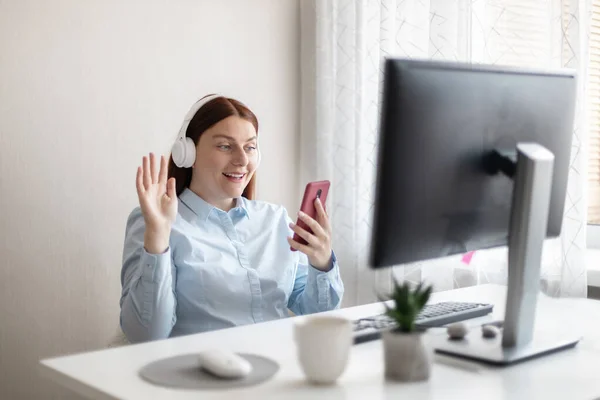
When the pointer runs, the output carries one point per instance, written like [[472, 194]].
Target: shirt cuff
[[154, 266], [329, 275]]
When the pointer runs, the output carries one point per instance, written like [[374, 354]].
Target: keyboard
[[432, 315]]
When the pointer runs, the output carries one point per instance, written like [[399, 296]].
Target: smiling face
[[226, 158]]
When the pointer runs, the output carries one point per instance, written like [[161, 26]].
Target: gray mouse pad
[[184, 372]]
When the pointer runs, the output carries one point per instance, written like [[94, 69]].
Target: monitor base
[[490, 351]]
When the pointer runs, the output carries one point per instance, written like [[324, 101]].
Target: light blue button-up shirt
[[221, 269]]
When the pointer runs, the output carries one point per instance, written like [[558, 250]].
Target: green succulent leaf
[[407, 303]]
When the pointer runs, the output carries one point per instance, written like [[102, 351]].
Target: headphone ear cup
[[178, 152], [184, 153], [189, 153]]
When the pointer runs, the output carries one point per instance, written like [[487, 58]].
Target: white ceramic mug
[[323, 344]]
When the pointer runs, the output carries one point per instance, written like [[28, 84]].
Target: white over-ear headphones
[[184, 149]]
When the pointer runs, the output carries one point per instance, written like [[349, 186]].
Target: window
[[593, 98], [523, 34]]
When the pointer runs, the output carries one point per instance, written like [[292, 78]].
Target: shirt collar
[[203, 209], [240, 203]]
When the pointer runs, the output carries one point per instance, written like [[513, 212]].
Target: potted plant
[[406, 357]]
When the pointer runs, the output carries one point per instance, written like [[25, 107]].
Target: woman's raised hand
[[158, 201]]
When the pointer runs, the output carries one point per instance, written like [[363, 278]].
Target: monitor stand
[[532, 172]]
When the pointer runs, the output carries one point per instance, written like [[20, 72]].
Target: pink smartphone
[[311, 192]]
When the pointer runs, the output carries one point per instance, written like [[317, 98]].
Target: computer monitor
[[473, 157], [439, 124]]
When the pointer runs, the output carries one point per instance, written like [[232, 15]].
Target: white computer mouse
[[490, 331], [224, 364], [457, 330]]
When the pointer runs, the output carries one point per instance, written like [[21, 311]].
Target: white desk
[[573, 374]]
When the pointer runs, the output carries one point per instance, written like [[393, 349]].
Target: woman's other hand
[[318, 249]]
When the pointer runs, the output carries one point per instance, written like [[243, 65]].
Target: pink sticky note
[[467, 257]]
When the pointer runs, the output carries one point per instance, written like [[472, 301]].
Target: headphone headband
[[192, 112]]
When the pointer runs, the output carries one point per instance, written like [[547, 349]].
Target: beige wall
[[86, 89]]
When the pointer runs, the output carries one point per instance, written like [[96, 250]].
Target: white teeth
[[237, 176]]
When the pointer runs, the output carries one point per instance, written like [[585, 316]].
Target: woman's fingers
[[147, 178], [171, 188], [301, 247], [304, 234], [313, 225], [163, 174], [153, 172], [139, 183], [322, 217], [153, 168]]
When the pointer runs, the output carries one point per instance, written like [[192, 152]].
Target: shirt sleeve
[[148, 301], [315, 290]]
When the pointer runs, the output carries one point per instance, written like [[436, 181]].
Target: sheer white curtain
[[343, 45]]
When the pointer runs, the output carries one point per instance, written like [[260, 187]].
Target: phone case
[[312, 190]]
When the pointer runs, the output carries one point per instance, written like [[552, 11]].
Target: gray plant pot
[[406, 357]]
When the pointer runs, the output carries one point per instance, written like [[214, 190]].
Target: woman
[[201, 254]]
